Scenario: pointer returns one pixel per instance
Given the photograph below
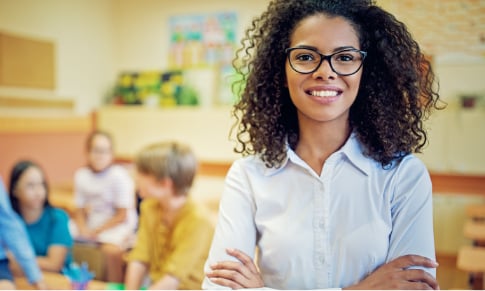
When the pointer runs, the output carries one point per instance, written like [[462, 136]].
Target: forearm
[[118, 218], [135, 273], [14, 266], [80, 219], [54, 260]]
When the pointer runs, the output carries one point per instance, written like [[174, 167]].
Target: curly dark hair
[[397, 92]]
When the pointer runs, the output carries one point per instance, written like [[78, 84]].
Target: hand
[[87, 234], [236, 275], [396, 275], [40, 285]]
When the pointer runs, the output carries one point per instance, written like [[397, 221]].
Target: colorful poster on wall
[[203, 47], [206, 39]]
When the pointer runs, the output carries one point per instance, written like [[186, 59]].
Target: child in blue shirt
[[47, 226], [14, 240]]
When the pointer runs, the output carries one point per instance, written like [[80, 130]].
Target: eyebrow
[[340, 48]]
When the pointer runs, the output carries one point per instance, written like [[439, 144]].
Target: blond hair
[[169, 160]]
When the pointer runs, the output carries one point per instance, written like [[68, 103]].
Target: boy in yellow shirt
[[174, 233]]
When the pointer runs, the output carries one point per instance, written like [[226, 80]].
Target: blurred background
[[148, 70]]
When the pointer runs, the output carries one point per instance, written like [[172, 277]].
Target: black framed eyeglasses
[[307, 60]]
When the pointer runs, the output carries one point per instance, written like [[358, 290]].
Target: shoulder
[[83, 172], [57, 213], [411, 166], [248, 165], [148, 205], [118, 171], [411, 179], [197, 215]]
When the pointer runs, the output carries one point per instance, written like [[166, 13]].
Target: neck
[[31, 215], [172, 207], [317, 143]]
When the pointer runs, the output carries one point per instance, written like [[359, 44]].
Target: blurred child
[[15, 242], [105, 202], [47, 226], [174, 234]]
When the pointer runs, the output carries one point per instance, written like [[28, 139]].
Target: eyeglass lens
[[306, 61]]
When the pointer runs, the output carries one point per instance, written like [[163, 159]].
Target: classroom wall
[[57, 144], [143, 26], [95, 40], [84, 34]]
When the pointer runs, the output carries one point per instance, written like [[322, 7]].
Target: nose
[[324, 70], [40, 191]]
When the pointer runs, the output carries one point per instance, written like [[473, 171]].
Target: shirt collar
[[352, 150]]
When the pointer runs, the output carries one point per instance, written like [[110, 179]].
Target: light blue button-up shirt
[[327, 231], [14, 238]]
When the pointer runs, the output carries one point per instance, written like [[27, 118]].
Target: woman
[[47, 226], [329, 193]]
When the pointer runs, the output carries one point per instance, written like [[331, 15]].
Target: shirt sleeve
[[60, 229], [16, 239], [140, 251], [124, 189], [79, 199], [412, 213], [235, 225]]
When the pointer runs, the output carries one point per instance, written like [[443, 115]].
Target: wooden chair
[[476, 211], [475, 230], [472, 260], [92, 255]]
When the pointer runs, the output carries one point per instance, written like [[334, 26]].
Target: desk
[[56, 281]]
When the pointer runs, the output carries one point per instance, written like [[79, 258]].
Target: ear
[[166, 183]]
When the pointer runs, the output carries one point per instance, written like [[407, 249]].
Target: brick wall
[[443, 27]]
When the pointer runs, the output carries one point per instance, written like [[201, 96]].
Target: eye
[[346, 57], [304, 57]]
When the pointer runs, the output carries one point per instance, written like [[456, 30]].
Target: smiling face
[[323, 96]]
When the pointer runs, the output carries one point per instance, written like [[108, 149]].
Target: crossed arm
[[393, 275]]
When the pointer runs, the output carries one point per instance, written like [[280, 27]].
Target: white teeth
[[324, 93]]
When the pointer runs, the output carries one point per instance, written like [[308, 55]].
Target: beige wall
[[84, 35], [143, 26]]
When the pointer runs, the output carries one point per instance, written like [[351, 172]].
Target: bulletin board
[[26, 62], [203, 46]]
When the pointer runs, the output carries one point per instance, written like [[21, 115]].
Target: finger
[[225, 282], [421, 276], [228, 276], [232, 266], [420, 286], [407, 261], [245, 259]]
